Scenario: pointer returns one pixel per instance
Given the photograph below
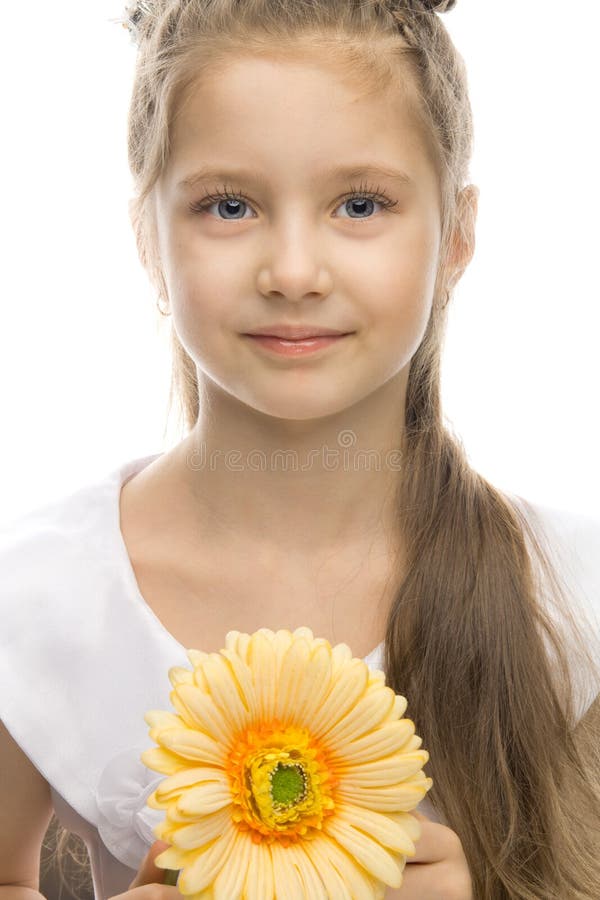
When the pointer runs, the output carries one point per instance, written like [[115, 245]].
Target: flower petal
[[340, 655], [343, 877], [201, 712], [346, 690], [412, 826], [398, 709], [289, 882], [225, 691], [387, 830], [376, 859], [241, 674], [301, 858], [231, 640], [313, 687], [160, 718], [260, 884], [238, 642], [170, 788], [160, 760], [335, 885], [174, 858], [196, 656], [366, 714], [303, 632], [192, 744], [204, 798], [394, 798], [180, 675], [379, 742], [281, 643], [203, 870], [385, 771], [229, 883], [293, 669], [200, 832], [414, 743], [263, 665]]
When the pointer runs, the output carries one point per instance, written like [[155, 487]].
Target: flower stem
[[171, 876]]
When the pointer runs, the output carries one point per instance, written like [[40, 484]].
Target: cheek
[[399, 300], [401, 324], [205, 313], [204, 285], [402, 268], [401, 296]]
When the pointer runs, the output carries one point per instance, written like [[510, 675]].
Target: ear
[[463, 238], [146, 238]]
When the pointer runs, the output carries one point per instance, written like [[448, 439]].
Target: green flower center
[[288, 785]]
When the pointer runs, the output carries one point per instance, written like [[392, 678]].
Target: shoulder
[[57, 543], [51, 545], [37, 534]]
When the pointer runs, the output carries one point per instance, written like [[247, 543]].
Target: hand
[[144, 885], [438, 871]]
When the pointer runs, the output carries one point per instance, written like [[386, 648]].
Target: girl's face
[[292, 246]]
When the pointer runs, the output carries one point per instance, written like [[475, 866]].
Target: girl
[[304, 211]]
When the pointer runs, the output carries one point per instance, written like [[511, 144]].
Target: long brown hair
[[472, 635]]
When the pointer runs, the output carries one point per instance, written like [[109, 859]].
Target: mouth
[[307, 337], [298, 346], [297, 332]]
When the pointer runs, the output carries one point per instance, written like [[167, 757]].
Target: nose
[[295, 267]]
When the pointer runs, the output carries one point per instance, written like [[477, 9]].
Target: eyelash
[[362, 192]]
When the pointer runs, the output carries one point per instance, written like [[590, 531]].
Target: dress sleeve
[[80, 664], [46, 625]]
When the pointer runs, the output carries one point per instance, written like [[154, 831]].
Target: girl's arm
[[25, 813]]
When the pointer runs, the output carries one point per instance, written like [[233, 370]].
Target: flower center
[[281, 783], [288, 785]]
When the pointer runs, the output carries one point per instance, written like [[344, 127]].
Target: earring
[[162, 311], [447, 300]]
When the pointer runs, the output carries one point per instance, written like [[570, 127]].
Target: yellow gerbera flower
[[291, 773]]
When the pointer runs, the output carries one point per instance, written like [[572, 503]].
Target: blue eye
[[224, 199], [232, 201]]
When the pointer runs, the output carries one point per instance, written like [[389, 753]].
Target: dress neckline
[[118, 479]]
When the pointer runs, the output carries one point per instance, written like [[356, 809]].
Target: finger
[[149, 872]]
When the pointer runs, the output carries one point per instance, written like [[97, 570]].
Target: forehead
[[293, 115]]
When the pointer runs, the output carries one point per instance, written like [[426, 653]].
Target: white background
[[84, 356]]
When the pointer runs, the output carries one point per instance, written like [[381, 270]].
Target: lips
[[305, 337], [295, 349], [296, 332]]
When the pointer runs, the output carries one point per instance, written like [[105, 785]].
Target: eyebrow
[[333, 173]]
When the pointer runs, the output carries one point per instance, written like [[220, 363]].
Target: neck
[[305, 487]]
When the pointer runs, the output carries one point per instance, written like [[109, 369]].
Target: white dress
[[83, 657]]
